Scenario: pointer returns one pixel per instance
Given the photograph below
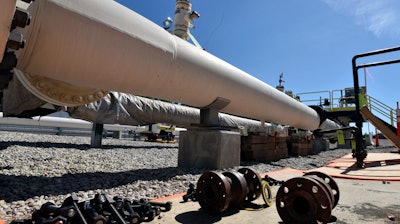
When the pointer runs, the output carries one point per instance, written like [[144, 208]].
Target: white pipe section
[[6, 16], [62, 122], [329, 125], [104, 45]]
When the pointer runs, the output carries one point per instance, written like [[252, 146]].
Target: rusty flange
[[330, 181], [304, 200], [254, 183], [213, 192], [217, 191], [239, 189], [324, 186]]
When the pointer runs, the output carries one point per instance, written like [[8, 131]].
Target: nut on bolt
[[21, 18], [165, 205], [15, 41]]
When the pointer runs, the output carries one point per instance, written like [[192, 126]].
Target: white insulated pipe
[[63, 122], [104, 45]]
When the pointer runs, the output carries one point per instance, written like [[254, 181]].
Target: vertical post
[[359, 151], [97, 135], [365, 80], [376, 138], [398, 119], [391, 117]]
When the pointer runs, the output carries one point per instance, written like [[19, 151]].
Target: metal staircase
[[385, 122], [384, 112], [387, 130]]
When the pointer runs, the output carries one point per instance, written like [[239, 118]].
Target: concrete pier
[[212, 149]]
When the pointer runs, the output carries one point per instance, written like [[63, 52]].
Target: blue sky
[[311, 42]]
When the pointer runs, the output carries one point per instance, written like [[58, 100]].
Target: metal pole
[[398, 119], [359, 152]]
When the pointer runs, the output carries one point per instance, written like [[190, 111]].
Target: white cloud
[[381, 17]]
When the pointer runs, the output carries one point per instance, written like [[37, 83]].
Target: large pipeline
[[104, 45], [128, 109]]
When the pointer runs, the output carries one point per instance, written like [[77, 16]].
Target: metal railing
[[386, 113], [337, 100], [316, 98], [329, 100]]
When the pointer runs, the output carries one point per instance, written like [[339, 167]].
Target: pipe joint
[[321, 112]]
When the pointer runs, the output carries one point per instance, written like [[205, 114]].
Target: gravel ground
[[38, 168]]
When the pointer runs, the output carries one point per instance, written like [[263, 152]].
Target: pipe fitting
[[307, 199], [217, 191]]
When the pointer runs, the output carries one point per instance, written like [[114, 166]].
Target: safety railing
[[320, 98], [386, 113], [329, 100], [340, 100]]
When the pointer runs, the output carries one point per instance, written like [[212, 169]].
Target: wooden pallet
[[263, 148]]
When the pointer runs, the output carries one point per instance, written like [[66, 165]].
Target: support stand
[[97, 135], [208, 145]]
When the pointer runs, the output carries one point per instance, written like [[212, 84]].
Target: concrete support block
[[211, 149]]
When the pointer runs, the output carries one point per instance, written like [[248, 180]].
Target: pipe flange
[[254, 183], [213, 192], [58, 92], [239, 189], [303, 200], [325, 186], [331, 182]]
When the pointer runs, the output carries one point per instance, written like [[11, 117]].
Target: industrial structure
[[57, 56]]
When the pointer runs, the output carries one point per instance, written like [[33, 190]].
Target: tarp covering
[[17, 99], [128, 109]]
